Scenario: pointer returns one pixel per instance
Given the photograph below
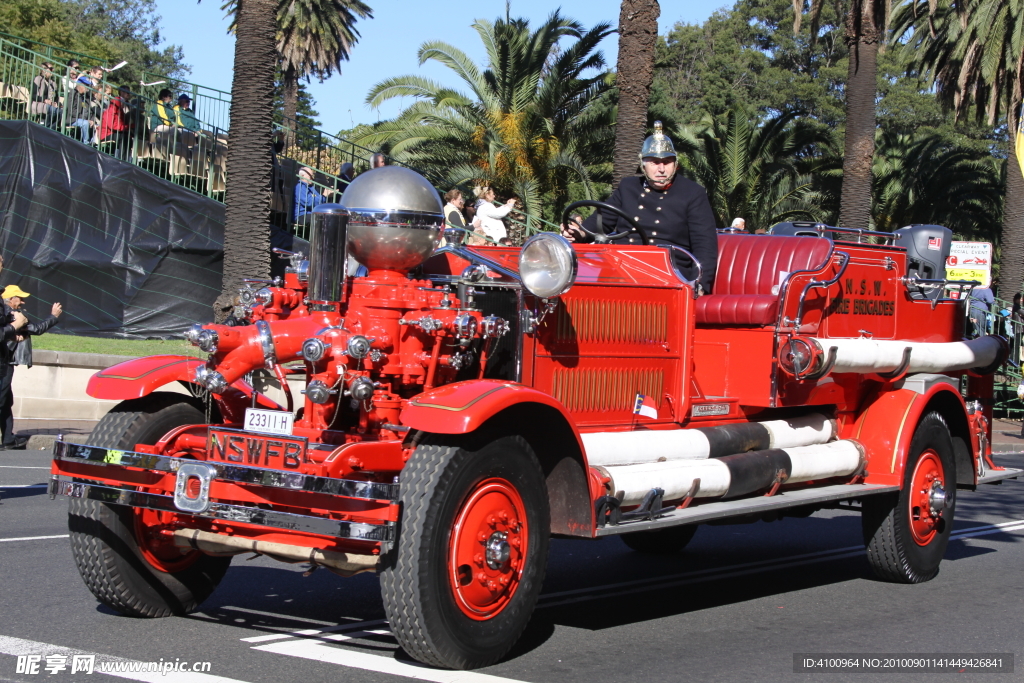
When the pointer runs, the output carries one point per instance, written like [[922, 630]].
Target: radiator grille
[[601, 390], [604, 321]]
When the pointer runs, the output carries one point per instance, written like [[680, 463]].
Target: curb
[[40, 442]]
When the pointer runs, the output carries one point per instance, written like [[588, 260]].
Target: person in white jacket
[[489, 215]]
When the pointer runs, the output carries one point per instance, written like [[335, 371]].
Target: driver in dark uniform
[[670, 209]]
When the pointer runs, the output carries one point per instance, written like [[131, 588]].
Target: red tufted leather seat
[[749, 267]]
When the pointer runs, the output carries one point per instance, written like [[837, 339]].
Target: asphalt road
[[734, 606]]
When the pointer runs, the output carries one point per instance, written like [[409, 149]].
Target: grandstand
[[194, 159]]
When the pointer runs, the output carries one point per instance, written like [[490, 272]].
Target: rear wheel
[[906, 533], [468, 566], [123, 559], [668, 541]]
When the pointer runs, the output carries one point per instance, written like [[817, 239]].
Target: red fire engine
[[462, 405]]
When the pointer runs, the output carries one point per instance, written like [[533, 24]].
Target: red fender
[[887, 426], [462, 407], [465, 406], [142, 376]]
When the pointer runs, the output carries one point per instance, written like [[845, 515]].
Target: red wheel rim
[[924, 524], [158, 549], [488, 549]]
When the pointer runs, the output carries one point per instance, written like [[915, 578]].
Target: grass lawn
[[116, 347]]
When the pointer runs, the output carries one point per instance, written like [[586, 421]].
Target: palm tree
[[249, 163], [920, 179], [533, 124], [865, 31], [313, 38], [765, 172], [638, 34], [971, 50]]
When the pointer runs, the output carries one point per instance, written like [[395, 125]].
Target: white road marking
[[357, 626], [32, 538], [322, 652], [19, 646], [23, 486], [279, 616]]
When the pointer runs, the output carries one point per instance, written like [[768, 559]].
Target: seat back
[[751, 272]]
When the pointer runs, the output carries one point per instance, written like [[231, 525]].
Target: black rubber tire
[[421, 609], [885, 519], [667, 541], [103, 540]]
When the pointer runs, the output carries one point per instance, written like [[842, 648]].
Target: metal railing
[[191, 153]]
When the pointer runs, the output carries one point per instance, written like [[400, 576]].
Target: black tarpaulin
[[128, 254]]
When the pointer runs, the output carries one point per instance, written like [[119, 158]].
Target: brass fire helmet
[[395, 218]]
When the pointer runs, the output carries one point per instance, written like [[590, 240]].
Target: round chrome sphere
[[395, 218]]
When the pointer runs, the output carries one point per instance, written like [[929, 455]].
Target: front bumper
[[347, 509]]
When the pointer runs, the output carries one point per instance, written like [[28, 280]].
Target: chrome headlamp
[[547, 265]]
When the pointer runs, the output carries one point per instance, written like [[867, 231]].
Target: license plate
[[276, 452], [269, 421]]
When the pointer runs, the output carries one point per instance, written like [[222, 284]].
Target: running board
[[996, 476], [706, 512]]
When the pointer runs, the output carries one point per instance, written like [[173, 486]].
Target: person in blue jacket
[[306, 195]]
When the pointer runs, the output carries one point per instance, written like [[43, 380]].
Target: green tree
[[971, 50], [921, 179], [111, 30], [305, 117], [534, 124], [247, 213], [638, 36], [761, 171]]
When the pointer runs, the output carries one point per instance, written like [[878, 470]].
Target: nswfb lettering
[[250, 451]]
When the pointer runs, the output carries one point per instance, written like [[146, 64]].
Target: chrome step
[[994, 476], [705, 512]]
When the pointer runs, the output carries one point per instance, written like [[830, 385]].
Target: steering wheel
[[600, 237]]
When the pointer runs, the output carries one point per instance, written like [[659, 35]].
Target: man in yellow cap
[[18, 351]]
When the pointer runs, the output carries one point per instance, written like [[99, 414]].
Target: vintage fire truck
[[464, 404]]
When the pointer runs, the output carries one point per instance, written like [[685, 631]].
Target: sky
[[389, 42]]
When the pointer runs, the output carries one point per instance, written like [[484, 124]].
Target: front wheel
[[123, 559], [906, 533], [471, 554]]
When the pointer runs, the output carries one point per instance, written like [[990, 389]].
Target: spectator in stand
[[44, 96], [185, 119], [491, 216], [80, 108], [981, 302], [345, 175], [116, 123], [307, 197], [161, 121], [378, 160], [739, 224], [161, 117], [455, 222]]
